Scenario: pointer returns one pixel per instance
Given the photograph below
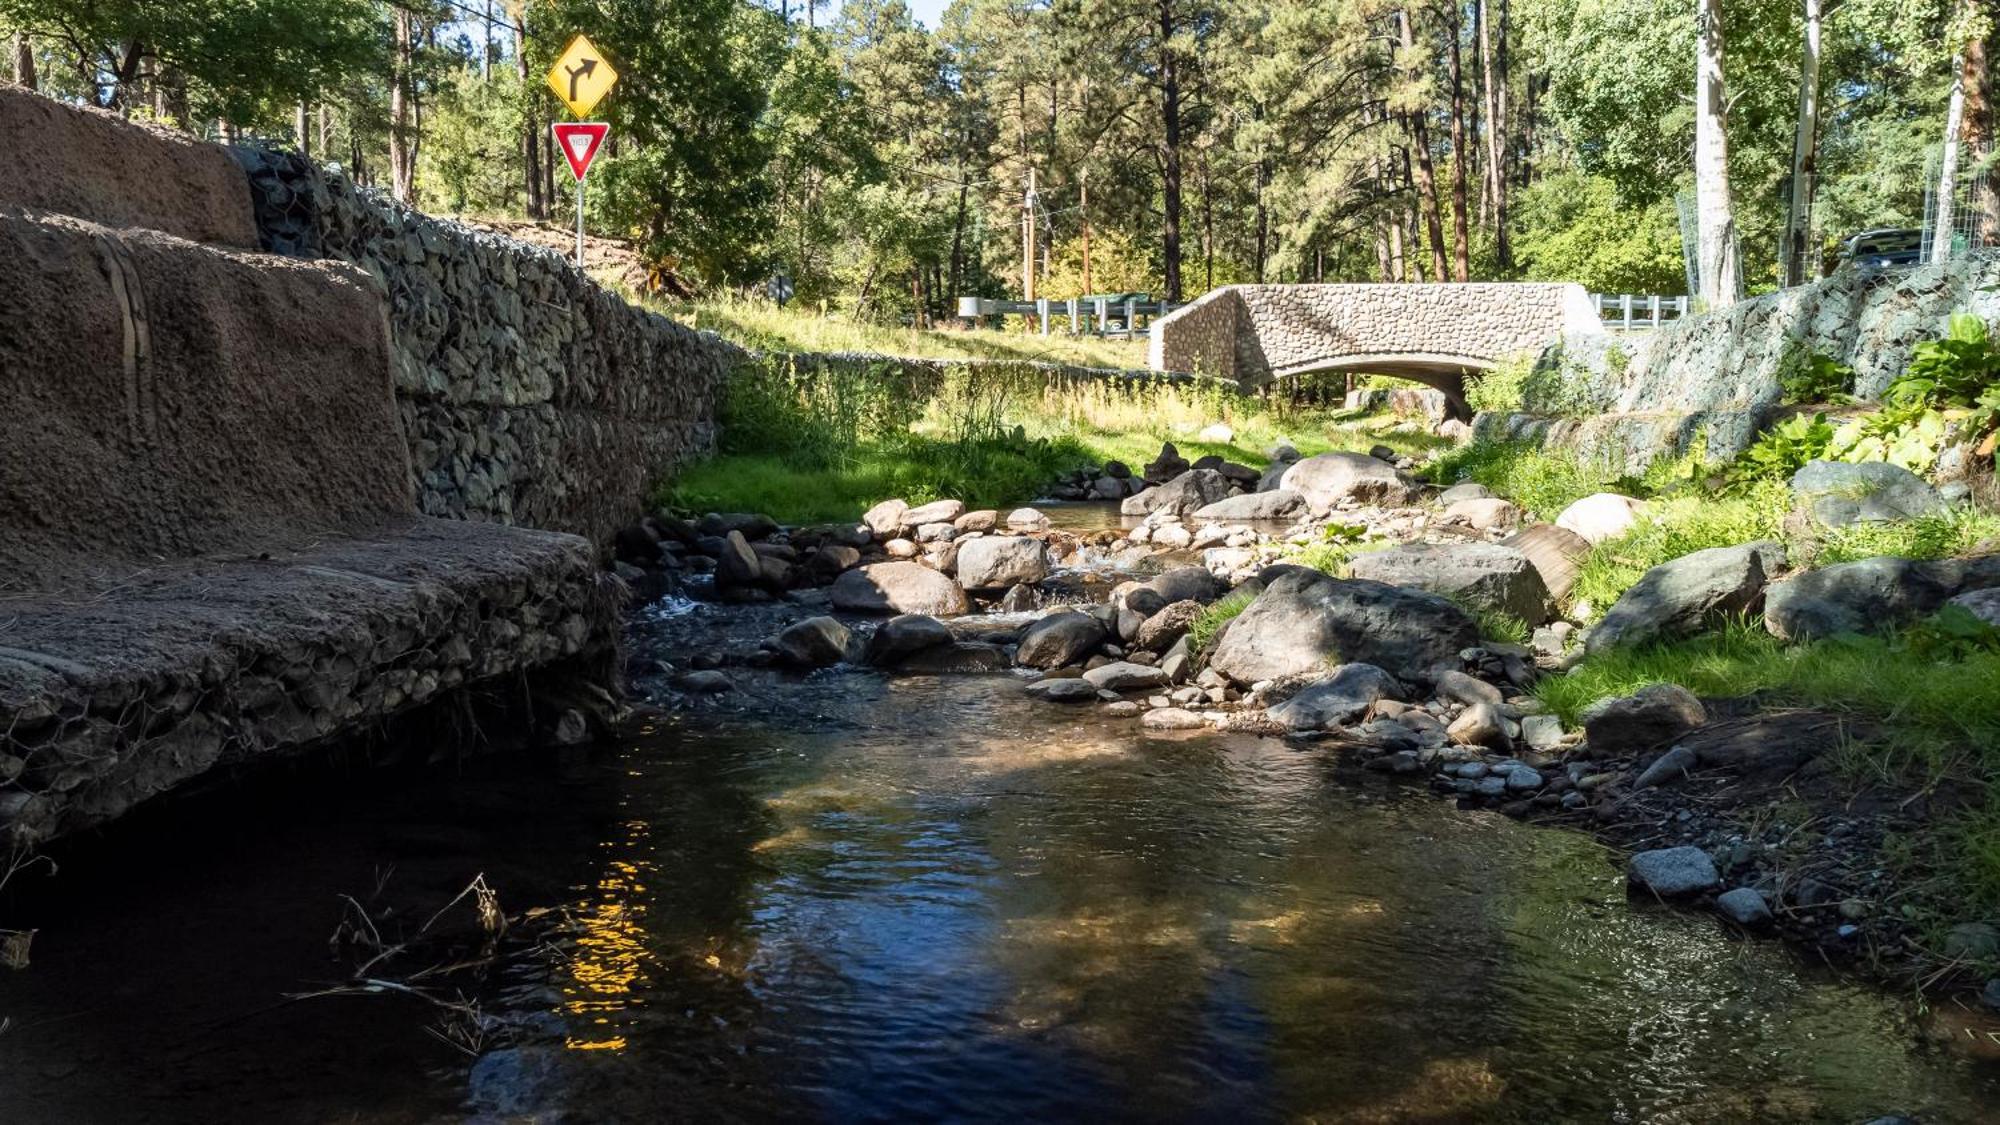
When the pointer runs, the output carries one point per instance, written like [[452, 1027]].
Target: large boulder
[[1864, 596], [992, 562], [1689, 594], [1066, 637], [813, 643], [1182, 496], [900, 637], [1337, 700], [1277, 504], [1168, 465], [897, 587], [1482, 575], [1841, 494], [886, 518], [1330, 479], [1306, 622], [1556, 553], [1181, 584], [1649, 718], [1601, 516], [1159, 632], [937, 511]]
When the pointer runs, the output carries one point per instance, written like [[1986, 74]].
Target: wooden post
[[1028, 240]]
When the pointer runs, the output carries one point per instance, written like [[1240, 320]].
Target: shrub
[[1805, 375], [1780, 452], [1500, 389]]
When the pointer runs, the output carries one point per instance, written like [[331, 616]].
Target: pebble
[[1744, 906]]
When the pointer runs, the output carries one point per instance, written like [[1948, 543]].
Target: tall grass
[[766, 327]]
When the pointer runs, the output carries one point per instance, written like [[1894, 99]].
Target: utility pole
[[1805, 155], [1083, 204], [1028, 240]]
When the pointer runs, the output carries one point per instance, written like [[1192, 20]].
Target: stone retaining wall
[[530, 395]]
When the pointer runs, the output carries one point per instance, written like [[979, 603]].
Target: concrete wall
[[1257, 333], [529, 394]]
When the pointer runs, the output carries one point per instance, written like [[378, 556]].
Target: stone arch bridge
[[1437, 334]]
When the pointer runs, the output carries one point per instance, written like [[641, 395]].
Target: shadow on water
[[926, 899]]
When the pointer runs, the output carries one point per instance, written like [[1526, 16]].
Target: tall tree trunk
[[1714, 219], [1947, 185], [301, 131], [1493, 62], [1170, 152], [531, 123], [1978, 133], [1425, 173], [1805, 153], [24, 61], [1461, 232], [1083, 208], [402, 165], [1263, 217]]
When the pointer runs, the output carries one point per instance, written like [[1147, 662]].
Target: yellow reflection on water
[[610, 954]]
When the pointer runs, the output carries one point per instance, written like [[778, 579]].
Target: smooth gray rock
[[1068, 689], [1064, 637], [1864, 596], [736, 565], [1668, 767], [1159, 632], [1744, 906], [1481, 725], [1841, 494], [815, 642], [1337, 700], [886, 518], [1689, 594], [1655, 715], [1125, 676], [1485, 575], [1183, 496], [1672, 872], [937, 511], [1277, 504], [1305, 621], [897, 587], [1181, 584], [1327, 480], [903, 636], [1983, 604], [1457, 687], [1470, 490], [991, 562], [1172, 718]]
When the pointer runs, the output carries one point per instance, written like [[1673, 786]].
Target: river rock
[[935, 533], [1653, 716], [1744, 906], [1983, 604], [1328, 480], [1172, 536], [1689, 594], [983, 520], [937, 511], [737, 566], [1470, 490], [898, 587], [1481, 724], [1066, 637], [902, 636], [1484, 575], [1601, 516], [1457, 687], [1543, 733], [1019, 599], [1181, 584], [815, 642], [1172, 718], [752, 525], [1159, 632], [901, 548], [1305, 621], [886, 518], [1484, 515], [1864, 596], [1667, 768], [1339, 699], [708, 681], [1672, 872], [991, 562], [1064, 689], [1125, 676], [1278, 504], [1168, 465], [833, 558], [1841, 493], [1027, 519], [1181, 496], [1555, 553]]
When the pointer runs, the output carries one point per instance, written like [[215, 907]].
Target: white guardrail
[[1627, 312]]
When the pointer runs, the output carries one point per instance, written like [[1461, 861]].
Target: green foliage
[[474, 126], [1959, 531], [813, 415], [1808, 376], [1676, 526], [1958, 370], [1499, 625], [1572, 227], [1335, 545], [1780, 452], [1500, 389], [1203, 629], [1539, 480]]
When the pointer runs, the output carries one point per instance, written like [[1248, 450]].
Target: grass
[[1201, 632], [984, 475], [1934, 691], [766, 327]]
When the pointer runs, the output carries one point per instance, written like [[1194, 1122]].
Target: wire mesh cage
[[1964, 221]]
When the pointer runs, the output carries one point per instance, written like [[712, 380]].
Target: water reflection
[[928, 900]]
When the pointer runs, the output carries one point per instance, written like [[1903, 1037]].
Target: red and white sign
[[579, 142]]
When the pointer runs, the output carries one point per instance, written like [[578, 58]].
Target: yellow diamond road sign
[[581, 77]]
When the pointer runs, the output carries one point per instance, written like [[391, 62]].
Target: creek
[[847, 896]]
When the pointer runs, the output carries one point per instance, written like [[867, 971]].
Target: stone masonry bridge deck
[[1258, 335]]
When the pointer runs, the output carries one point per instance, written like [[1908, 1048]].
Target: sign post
[[581, 77]]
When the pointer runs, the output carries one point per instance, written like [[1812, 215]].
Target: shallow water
[[851, 898]]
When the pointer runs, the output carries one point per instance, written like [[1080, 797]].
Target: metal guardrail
[[1100, 316], [1630, 312]]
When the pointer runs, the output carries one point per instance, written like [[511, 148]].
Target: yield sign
[[579, 142]]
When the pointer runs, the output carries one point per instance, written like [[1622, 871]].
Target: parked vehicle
[[1881, 249]]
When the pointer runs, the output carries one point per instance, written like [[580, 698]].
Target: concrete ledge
[[98, 166], [111, 698]]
